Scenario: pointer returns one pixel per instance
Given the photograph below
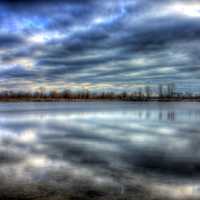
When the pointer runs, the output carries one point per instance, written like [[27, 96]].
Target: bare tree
[[140, 94], [171, 89], [148, 91], [160, 91]]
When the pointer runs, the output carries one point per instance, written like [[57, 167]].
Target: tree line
[[164, 92]]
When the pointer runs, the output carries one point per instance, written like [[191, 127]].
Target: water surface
[[100, 150]]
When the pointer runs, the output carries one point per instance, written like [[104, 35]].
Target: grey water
[[100, 150]]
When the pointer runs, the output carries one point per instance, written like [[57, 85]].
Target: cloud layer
[[112, 45]]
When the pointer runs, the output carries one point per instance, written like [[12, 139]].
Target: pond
[[100, 150]]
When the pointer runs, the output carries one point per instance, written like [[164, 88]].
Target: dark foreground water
[[103, 151]]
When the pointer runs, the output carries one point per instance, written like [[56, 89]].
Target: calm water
[[99, 150]]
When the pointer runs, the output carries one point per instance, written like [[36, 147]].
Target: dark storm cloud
[[11, 40], [109, 41], [18, 72], [28, 3], [158, 37]]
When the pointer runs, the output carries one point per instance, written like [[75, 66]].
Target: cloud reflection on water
[[117, 144]]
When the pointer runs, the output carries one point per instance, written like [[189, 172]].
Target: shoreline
[[97, 100]]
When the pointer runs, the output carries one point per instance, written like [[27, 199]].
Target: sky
[[107, 45]]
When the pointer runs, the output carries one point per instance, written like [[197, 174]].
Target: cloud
[[11, 40], [88, 41], [30, 3]]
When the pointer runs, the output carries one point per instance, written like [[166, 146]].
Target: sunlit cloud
[[44, 37], [29, 136], [37, 161], [24, 62], [187, 9], [178, 192]]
